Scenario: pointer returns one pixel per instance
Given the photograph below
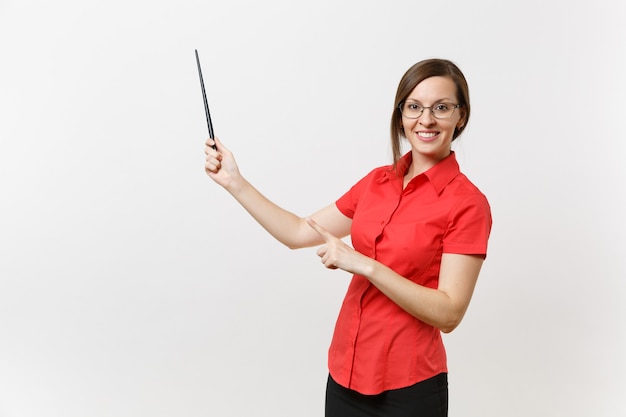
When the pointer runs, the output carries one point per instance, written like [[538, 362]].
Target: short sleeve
[[469, 227], [348, 202]]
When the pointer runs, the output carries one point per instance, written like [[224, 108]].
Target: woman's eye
[[413, 106], [441, 107]]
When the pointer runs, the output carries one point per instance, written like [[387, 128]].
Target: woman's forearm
[[442, 307], [286, 227], [429, 305]]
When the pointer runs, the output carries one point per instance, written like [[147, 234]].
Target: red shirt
[[377, 346]]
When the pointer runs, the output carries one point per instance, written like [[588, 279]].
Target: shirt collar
[[439, 175]]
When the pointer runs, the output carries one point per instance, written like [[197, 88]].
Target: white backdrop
[[131, 285]]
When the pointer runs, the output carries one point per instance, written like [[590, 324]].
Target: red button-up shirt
[[377, 346]]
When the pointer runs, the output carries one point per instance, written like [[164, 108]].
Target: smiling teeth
[[427, 134]]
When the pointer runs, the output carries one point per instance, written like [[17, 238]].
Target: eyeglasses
[[413, 110]]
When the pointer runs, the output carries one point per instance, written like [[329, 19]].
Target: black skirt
[[428, 398]]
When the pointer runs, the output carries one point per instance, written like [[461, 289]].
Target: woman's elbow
[[451, 323], [449, 327]]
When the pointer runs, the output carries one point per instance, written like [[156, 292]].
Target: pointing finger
[[319, 229]]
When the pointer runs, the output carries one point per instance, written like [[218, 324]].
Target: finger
[[319, 229], [212, 157], [209, 151], [220, 146], [211, 166], [209, 143], [213, 161], [328, 262]]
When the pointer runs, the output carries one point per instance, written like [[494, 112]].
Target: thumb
[[220, 145]]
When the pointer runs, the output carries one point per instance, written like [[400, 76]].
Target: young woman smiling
[[419, 231]]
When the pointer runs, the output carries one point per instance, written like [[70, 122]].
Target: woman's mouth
[[427, 136]]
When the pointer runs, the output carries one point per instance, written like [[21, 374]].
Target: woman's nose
[[426, 117]]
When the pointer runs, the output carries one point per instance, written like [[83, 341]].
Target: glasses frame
[[456, 106]]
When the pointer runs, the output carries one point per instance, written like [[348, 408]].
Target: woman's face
[[429, 136]]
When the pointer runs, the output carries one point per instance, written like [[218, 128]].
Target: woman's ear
[[461, 121]]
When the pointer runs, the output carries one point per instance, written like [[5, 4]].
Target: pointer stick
[[206, 104]]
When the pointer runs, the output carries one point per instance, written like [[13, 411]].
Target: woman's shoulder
[[464, 184], [465, 191], [383, 172]]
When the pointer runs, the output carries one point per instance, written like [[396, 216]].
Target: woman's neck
[[421, 163]]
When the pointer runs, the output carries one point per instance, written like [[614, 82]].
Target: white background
[[131, 285]]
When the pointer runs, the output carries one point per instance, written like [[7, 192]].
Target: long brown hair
[[415, 75]]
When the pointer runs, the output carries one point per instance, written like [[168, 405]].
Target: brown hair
[[415, 75]]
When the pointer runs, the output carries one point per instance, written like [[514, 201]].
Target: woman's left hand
[[336, 254]]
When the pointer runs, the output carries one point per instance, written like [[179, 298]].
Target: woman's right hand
[[220, 164]]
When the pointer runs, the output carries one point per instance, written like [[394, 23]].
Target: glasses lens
[[443, 110], [412, 110]]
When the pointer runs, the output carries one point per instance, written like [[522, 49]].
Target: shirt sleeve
[[348, 202], [469, 227]]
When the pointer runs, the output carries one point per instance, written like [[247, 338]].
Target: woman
[[419, 229]]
